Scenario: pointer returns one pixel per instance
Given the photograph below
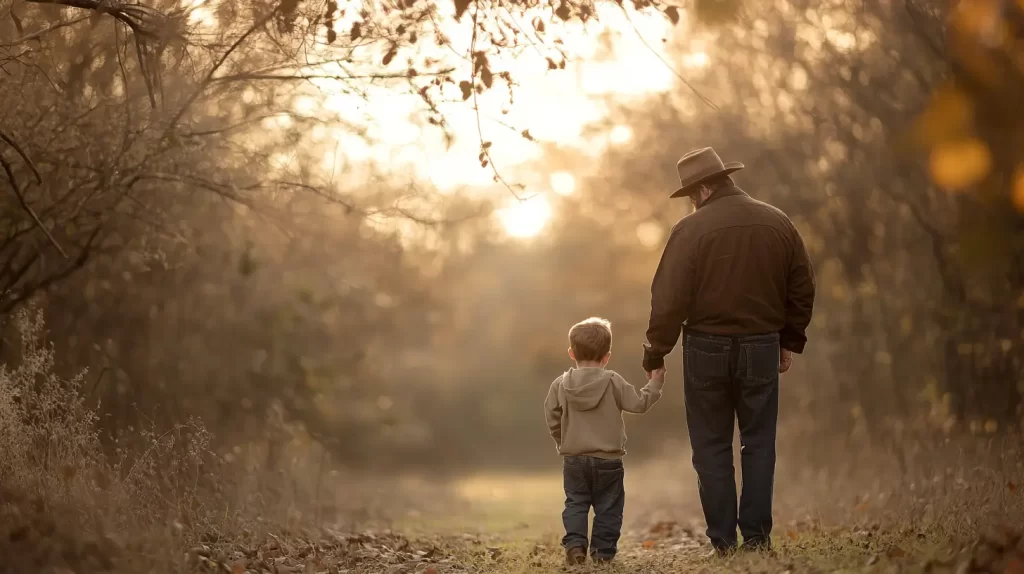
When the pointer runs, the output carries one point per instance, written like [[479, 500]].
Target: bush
[[61, 489]]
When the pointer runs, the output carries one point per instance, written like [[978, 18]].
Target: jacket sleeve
[[799, 298], [671, 294], [553, 413], [631, 401]]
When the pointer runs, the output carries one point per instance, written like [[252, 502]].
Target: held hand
[[785, 360], [656, 374]]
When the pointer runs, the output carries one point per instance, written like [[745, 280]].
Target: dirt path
[[670, 549], [510, 524]]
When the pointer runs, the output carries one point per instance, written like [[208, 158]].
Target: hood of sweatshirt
[[585, 387]]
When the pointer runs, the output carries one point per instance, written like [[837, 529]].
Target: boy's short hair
[[591, 339]]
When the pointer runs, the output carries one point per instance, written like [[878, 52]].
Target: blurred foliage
[[214, 267]]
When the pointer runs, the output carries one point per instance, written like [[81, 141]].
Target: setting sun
[[526, 218]]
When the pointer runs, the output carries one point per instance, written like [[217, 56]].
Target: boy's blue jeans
[[593, 482]]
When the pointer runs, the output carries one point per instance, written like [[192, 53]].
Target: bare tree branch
[[10, 141], [44, 31], [685, 82], [216, 66], [287, 77], [24, 205], [151, 28], [484, 146]]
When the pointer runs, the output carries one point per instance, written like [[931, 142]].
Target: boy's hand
[[656, 374]]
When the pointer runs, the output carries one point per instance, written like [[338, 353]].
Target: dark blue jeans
[[596, 482], [725, 379]]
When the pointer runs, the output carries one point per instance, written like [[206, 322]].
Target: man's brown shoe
[[575, 556]]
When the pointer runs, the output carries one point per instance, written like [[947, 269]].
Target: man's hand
[[656, 374], [785, 360]]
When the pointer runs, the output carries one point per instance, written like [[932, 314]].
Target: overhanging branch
[[152, 29]]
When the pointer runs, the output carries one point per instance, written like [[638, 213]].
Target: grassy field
[[859, 516], [507, 524]]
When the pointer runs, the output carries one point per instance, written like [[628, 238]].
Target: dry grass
[[162, 503]]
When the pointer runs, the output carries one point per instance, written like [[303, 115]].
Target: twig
[[240, 77], [216, 66], [97, 383], [476, 109], [10, 141], [28, 209], [44, 31], [693, 89]]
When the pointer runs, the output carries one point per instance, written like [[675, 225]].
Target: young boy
[[584, 414]]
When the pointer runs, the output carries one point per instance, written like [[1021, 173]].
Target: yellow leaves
[[1017, 191], [956, 158], [959, 164], [948, 116], [977, 17]]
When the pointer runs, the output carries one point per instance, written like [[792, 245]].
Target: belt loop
[[734, 355]]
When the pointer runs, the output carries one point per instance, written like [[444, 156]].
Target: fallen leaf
[[1011, 486], [664, 527], [238, 568], [648, 544], [792, 535], [1014, 567], [896, 552]]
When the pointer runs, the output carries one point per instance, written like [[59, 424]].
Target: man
[[735, 272]]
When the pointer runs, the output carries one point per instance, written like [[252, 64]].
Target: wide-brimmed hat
[[699, 166]]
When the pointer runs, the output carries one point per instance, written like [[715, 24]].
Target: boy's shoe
[[575, 556]]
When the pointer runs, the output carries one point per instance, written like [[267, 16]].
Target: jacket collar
[[725, 190]]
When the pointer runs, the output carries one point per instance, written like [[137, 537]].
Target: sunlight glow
[[527, 218], [696, 60], [201, 14], [620, 135], [563, 183], [649, 233]]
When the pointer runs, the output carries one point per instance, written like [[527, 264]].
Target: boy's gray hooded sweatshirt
[[584, 411]]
